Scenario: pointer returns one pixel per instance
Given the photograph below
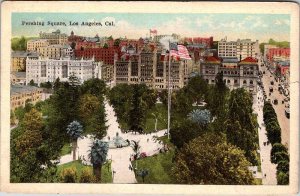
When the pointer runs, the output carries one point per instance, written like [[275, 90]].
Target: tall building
[[45, 69], [266, 49], [55, 37], [18, 60], [241, 48], [278, 54], [33, 45], [236, 74], [19, 95], [55, 51], [150, 66]]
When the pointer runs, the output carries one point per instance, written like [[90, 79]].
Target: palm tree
[[202, 117], [74, 130], [97, 155], [136, 148]]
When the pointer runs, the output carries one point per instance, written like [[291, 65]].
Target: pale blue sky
[[131, 25]]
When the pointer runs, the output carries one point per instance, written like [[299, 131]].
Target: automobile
[[269, 100], [287, 105], [272, 82], [287, 99], [263, 71], [275, 101], [271, 89], [287, 112]]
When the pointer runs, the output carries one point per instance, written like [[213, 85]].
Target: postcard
[[150, 97]]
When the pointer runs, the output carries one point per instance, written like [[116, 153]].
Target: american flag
[[179, 51]]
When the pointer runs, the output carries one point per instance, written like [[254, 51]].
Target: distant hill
[[281, 44], [20, 43]]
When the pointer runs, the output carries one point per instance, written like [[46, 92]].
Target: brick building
[[100, 54]]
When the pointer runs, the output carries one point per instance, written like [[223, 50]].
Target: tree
[[97, 155], [136, 149], [68, 175], [184, 131], [74, 130], [94, 87], [273, 132], [105, 46], [197, 88], [88, 106], [282, 178], [74, 80], [209, 159], [241, 124], [31, 83], [73, 45], [277, 148]]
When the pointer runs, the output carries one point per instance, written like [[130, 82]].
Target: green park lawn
[[105, 175], [159, 167]]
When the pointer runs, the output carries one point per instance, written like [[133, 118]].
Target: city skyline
[[133, 25]]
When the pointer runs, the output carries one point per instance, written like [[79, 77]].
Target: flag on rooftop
[[179, 51]]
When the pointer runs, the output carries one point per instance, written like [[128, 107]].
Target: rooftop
[[19, 74], [230, 60], [23, 54], [16, 89]]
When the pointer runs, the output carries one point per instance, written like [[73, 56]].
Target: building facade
[[241, 48], [19, 95], [100, 54], [18, 78], [151, 67], [55, 51], [107, 73], [18, 60], [236, 74], [55, 37], [278, 54], [45, 69], [33, 45]]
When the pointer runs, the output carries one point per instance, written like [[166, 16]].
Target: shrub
[[87, 176], [68, 175], [282, 178]]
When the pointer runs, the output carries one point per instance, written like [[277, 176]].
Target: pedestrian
[[265, 175], [147, 139]]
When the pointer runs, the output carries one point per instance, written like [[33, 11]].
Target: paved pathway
[[268, 168], [119, 156]]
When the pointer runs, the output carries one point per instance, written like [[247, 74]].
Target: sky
[[260, 27]]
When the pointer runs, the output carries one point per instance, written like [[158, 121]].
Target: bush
[[87, 176], [68, 175], [273, 132], [277, 148], [282, 178]]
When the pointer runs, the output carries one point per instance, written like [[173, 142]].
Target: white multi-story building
[[241, 48], [33, 45], [44, 69]]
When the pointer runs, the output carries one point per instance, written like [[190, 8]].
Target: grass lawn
[[159, 167], [162, 118], [105, 175], [258, 181], [66, 149]]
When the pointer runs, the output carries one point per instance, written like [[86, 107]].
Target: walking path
[[120, 156], [268, 168]]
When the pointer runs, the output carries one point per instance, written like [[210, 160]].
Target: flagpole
[[169, 92]]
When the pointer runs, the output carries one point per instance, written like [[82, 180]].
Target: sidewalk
[[268, 168]]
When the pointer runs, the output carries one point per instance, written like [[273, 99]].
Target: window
[[228, 81], [235, 81], [251, 81], [244, 82]]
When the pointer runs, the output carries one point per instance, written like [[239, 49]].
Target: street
[[284, 122]]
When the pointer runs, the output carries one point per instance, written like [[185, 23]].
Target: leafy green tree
[[137, 114], [283, 166], [74, 130], [241, 126], [184, 131], [94, 87], [282, 178], [46, 85], [197, 89], [88, 106], [19, 44], [31, 83], [97, 155], [209, 159], [105, 46], [69, 175], [277, 148], [273, 132]]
